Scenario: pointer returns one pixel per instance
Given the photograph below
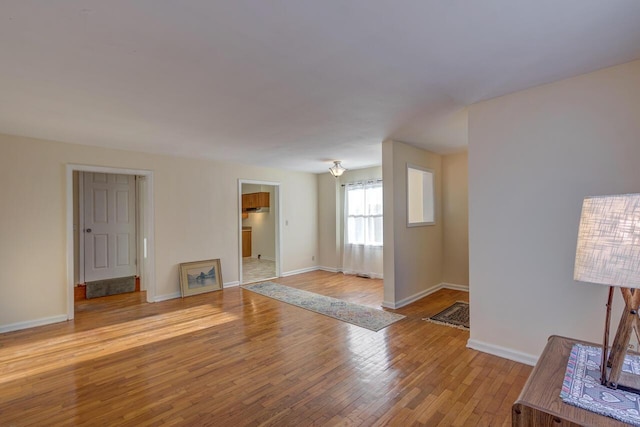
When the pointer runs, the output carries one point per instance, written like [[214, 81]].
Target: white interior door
[[109, 226]]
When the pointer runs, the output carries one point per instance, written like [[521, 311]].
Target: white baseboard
[[330, 269], [506, 353], [300, 271], [33, 323], [424, 293], [230, 284], [165, 297], [412, 298], [178, 294], [455, 287]]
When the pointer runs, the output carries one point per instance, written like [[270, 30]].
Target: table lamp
[[608, 253]]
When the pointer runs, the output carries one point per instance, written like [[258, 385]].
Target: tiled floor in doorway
[[254, 270]]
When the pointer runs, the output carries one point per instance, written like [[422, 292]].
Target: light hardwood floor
[[236, 358]]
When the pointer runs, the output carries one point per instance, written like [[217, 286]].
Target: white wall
[[196, 217], [329, 255], [533, 156], [455, 213], [413, 256]]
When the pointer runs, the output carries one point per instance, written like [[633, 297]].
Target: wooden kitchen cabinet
[[246, 243], [263, 200], [247, 201], [255, 200]]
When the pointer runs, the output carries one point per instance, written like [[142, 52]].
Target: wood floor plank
[[236, 358]]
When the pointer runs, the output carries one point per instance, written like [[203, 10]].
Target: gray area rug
[[359, 315], [120, 285], [456, 315]]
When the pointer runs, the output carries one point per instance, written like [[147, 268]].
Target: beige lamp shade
[[608, 249]]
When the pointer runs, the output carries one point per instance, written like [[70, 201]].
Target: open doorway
[[96, 253], [259, 231]]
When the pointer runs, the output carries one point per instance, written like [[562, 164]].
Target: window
[[364, 213], [420, 196]]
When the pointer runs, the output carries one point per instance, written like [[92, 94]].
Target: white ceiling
[[291, 83]]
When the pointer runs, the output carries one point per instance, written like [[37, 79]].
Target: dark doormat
[[456, 315], [119, 285]]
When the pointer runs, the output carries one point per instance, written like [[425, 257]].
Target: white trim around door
[[145, 250]]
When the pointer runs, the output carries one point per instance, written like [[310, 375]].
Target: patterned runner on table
[[581, 386]]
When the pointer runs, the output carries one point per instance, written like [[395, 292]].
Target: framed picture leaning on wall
[[199, 277]]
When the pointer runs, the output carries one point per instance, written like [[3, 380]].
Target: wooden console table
[[540, 404]]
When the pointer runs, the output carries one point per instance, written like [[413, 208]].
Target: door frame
[[145, 250], [278, 202]]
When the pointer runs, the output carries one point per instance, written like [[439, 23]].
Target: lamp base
[[612, 375], [629, 382]]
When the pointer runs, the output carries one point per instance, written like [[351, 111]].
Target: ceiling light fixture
[[337, 169]]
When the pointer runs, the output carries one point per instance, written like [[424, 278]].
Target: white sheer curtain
[[362, 253]]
